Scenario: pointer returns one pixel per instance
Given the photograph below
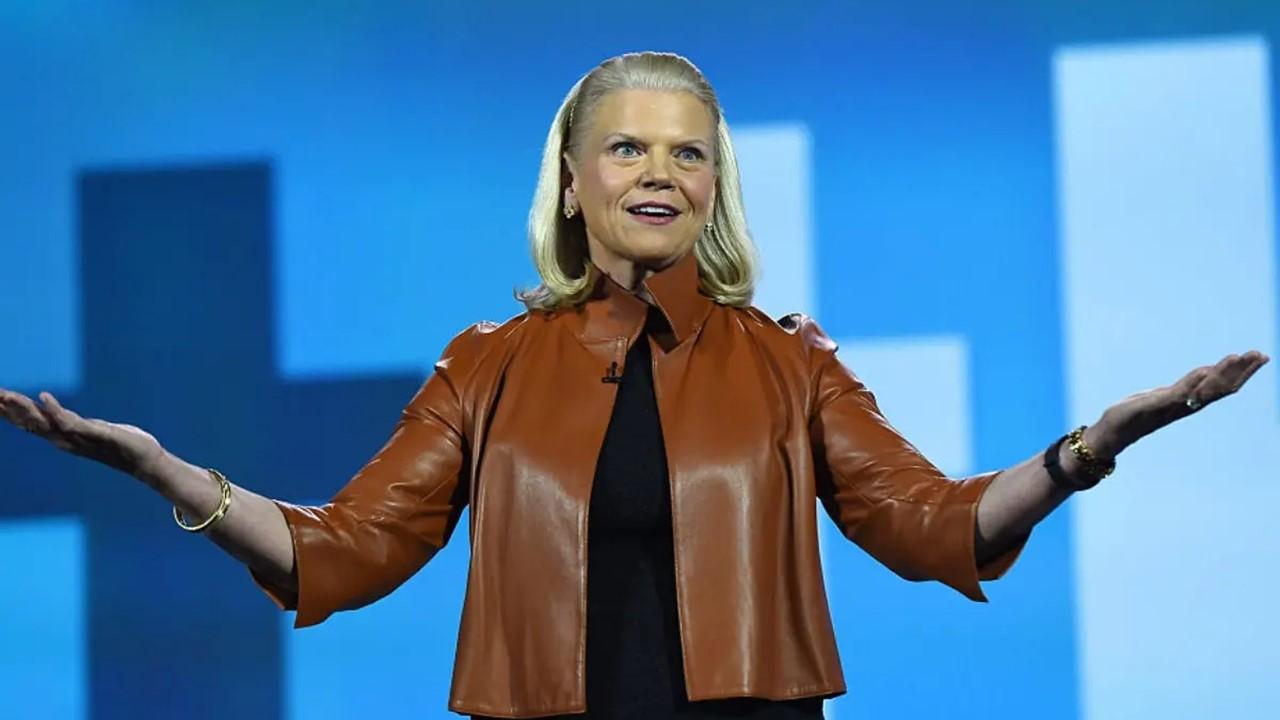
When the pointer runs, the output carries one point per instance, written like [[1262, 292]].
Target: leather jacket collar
[[613, 311]]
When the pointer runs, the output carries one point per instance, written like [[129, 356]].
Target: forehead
[[652, 114]]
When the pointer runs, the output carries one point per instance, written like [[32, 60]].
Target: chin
[[657, 253]]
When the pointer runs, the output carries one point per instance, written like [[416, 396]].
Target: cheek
[[608, 183], [699, 188], [615, 185]]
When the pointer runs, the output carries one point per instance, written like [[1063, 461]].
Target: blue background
[[250, 228]]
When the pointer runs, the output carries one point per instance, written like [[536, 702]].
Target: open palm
[[1145, 412], [124, 447]]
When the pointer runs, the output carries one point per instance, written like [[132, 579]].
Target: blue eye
[[619, 145], [694, 152]]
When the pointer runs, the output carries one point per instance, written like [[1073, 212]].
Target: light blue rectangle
[[1165, 153], [43, 665], [777, 177]]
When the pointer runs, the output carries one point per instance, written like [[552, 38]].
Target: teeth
[[651, 211]]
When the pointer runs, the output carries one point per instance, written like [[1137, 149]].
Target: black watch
[[1058, 475]]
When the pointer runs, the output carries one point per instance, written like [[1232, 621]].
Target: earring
[[568, 212]]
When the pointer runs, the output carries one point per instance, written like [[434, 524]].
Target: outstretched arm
[[1024, 494], [253, 530], [380, 528], [891, 501]]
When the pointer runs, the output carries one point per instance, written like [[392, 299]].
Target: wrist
[[1101, 441], [157, 471], [1085, 456]]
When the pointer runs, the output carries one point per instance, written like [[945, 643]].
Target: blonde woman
[[641, 450]]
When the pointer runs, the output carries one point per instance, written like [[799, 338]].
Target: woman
[[642, 426]]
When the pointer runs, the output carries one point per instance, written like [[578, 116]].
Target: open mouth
[[653, 213], [655, 210]]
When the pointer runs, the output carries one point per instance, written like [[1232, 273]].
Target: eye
[[691, 154], [620, 148]]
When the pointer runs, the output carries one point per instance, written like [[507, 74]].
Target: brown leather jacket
[[759, 419]]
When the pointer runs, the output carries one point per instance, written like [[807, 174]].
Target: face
[[644, 147]]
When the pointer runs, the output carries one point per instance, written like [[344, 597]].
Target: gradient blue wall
[[251, 227]]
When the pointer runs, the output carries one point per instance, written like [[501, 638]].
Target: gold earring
[[568, 212]]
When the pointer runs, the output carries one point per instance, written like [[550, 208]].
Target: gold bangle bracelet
[[224, 502], [1094, 466]]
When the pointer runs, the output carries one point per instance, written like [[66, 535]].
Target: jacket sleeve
[[882, 493], [395, 513]]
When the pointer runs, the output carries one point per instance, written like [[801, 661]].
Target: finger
[[1247, 372], [1191, 380], [1226, 378], [12, 402], [1234, 374], [1211, 388], [61, 418], [8, 409], [1226, 362], [23, 412]]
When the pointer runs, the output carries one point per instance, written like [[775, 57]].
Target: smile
[[653, 219], [651, 213]]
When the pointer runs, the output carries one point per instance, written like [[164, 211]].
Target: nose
[[656, 173]]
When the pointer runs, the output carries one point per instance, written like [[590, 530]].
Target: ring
[[1193, 403]]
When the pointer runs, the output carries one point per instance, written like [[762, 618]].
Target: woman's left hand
[[1143, 413]]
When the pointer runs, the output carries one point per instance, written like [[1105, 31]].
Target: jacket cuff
[[967, 573], [303, 600]]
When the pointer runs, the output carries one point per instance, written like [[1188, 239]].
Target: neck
[[626, 272], [613, 309]]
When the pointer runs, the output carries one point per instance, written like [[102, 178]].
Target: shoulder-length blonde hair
[[726, 256]]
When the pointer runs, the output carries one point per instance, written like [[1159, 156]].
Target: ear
[[568, 176]]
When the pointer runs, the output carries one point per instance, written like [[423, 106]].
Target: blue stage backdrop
[[251, 227]]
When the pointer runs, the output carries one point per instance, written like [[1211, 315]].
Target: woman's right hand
[[126, 448]]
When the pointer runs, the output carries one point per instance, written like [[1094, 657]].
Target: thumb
[[1191, 380], [60, 417]]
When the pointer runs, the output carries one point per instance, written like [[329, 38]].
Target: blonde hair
[[726, 255]]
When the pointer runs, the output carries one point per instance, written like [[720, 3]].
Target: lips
[[653, 213], [653, 209]]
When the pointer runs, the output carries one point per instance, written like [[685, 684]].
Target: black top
[[634, 667]]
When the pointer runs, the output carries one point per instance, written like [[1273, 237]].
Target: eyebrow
[[634, 139]]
